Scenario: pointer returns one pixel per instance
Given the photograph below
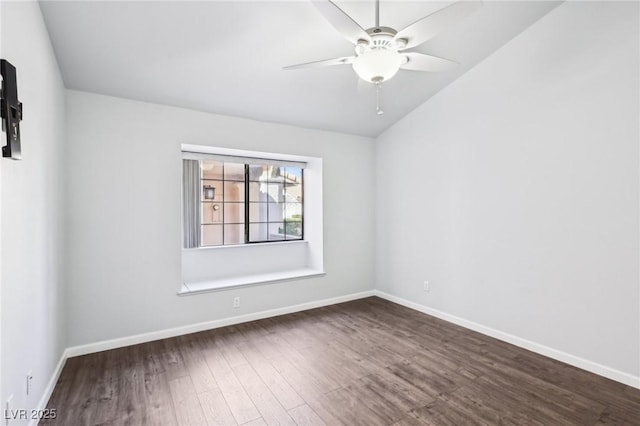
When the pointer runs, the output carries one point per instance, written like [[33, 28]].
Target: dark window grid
[[259, 179], [247, 222], [292, 202], [223, 222], [223, 202], [268, 232], [275, 202], [227, 202], [256, 180], [276, 221], [285, 212], [286, 237], [284, 221], [267, 222], [224, 195], [223, 191], [284, 224], [246, 201], [222, 226], [232, 179], [302, 204], [295, 237], [219, 191], [282, 182], [268, 219], [272, 202], [285, 184]]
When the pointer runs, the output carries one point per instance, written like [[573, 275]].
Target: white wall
[[1, 350], [123, 215], [514, 191], [218, 263], [32, 304]]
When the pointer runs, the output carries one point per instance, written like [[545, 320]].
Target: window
[[231, 200], [277, 196]]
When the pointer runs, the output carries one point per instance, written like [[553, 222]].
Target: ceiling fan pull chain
[[379, 110]]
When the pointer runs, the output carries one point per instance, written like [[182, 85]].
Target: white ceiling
[[226, 57]]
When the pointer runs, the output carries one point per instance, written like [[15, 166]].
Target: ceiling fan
[[381, 51]]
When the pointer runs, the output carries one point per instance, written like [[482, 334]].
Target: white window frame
[[195, 228], [214, 268]]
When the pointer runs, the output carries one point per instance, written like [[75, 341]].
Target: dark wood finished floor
[[367, 362]]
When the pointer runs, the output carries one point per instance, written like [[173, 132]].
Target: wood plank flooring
[[367, 362]]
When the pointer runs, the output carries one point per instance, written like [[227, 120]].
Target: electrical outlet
[[426, 286], [236, 302], [29, 381]]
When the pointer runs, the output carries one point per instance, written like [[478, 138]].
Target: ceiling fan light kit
[[380, 51], [377, 64], [378, 59]]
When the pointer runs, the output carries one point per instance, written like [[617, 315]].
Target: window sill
[[243, 246], [189, 288]]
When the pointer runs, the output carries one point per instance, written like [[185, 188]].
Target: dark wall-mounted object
[[209, 192], [11, 111]]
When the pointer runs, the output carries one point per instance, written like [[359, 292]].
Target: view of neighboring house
[[275, 203]]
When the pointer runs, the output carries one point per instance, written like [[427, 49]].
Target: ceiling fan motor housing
[[380, 38], [378, 59]]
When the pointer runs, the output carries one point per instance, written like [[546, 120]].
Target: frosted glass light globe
[[377, 64]]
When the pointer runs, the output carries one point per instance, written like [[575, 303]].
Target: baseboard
[[44, 399], [593, 367], [587, 365], [178, 331], [208, 325]]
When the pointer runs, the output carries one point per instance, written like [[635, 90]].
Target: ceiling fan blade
[[341, 21], [429, 26], [328, 62], [421, 62]]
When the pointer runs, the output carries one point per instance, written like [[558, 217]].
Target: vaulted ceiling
[[226, 57]]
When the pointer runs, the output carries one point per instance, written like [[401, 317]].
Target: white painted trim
[[44, 400], [593, 367], [207, 325], [244, 246], [191, 288], [584, 364], [216, 150], [178, 331]]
